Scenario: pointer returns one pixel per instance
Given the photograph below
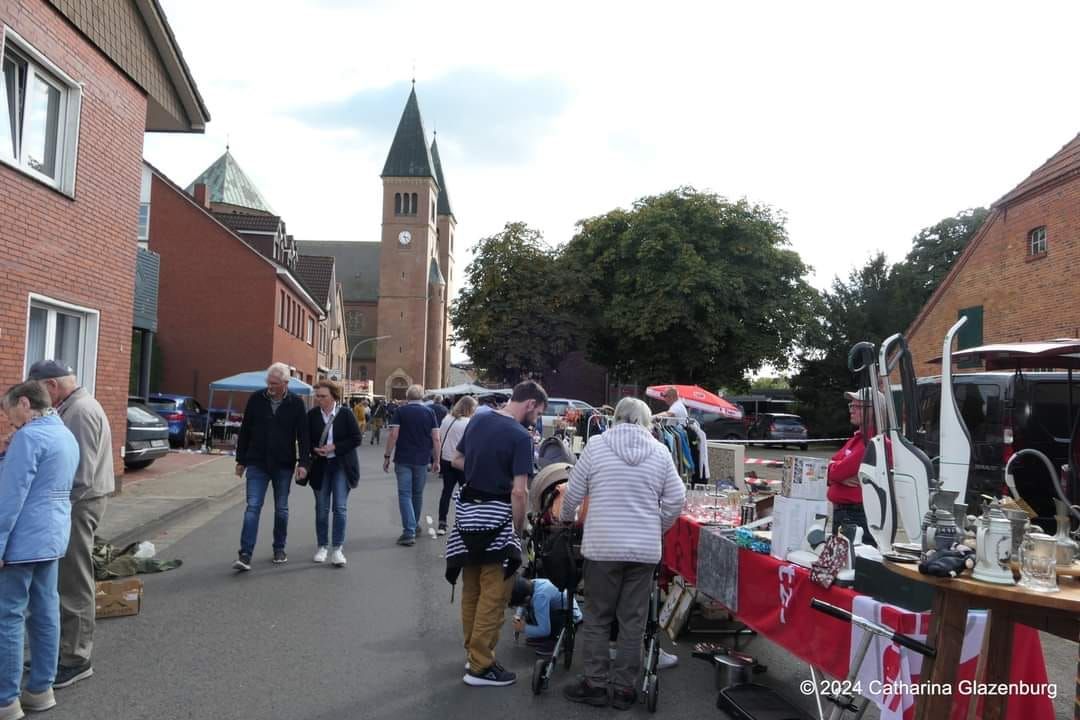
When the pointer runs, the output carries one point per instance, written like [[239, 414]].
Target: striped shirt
[[635, 495]]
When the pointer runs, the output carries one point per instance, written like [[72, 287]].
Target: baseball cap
[[47, 369], [863, 395]]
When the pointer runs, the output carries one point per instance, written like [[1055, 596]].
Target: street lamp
[[362, 342]]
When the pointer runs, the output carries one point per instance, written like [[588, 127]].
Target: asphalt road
[[378, 639]]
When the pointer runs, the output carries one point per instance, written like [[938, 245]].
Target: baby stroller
[[553, 552], [650, 679]]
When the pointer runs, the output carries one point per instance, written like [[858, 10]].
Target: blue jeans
[[410, 493], [257, 482], [333, 494], [28, 586]]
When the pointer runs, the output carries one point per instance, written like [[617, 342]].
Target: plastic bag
[[145, 550]]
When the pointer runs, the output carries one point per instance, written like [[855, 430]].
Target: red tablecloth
[[774, 600]]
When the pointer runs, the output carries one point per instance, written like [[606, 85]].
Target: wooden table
[[1056, 613]]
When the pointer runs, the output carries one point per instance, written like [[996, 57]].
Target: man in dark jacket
[[274, 430]]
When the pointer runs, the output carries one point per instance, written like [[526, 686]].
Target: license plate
[[157, 443]]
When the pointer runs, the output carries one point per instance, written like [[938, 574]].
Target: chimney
[[202, 195]]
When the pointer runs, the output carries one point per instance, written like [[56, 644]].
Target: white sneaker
[[320, 554], [667, 660], [337, 559]]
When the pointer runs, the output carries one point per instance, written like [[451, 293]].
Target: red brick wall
[[80, 250], [1022, 298], [217, 302]]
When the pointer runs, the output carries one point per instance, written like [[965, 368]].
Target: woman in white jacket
[[635, 494]]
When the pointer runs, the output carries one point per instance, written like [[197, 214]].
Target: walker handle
[[873, 627]]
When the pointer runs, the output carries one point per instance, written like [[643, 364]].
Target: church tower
[[444, 235], [409, 276]]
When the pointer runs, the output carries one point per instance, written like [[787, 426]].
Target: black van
[[1005, 412]]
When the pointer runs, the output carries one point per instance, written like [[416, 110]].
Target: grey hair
[[415, 392], [34, 392], [280, 369], [633, 411]]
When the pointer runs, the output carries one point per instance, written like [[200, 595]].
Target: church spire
[[444, 195], [409, 155]]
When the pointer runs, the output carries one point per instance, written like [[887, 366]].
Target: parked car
[[718, 427], [781, 428], [186, 417], [147, 436], [557, 407], [1005, 412]]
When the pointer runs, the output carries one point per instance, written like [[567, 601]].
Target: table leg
[[948, 622], [998, 663]]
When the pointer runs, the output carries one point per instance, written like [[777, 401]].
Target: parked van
[[1005, 412]]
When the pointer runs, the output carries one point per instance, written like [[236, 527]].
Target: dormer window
[[1036, 244]]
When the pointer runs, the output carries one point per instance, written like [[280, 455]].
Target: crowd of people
[[56, 473]]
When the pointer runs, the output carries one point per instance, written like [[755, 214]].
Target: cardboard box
[[118, 598], [792, 518], [804, 477]]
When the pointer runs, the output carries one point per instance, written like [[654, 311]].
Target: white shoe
[[667, 660], [320, 554], [337, 559]]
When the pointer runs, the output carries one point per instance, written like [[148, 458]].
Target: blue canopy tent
[[246, 382]]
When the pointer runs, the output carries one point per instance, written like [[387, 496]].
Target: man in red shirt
[[845, 493]]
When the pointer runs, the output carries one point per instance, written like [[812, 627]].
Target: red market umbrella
[[698, 397]]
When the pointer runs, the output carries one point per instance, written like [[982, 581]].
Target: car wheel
[[137, 464]]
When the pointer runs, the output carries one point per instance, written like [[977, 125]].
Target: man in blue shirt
[[496, 454], [414, 444]]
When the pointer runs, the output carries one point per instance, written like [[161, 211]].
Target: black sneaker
[[243, 562], [623, 698], [280, 558], [67, 676], [494, 676], [582, 691], [406, 540]]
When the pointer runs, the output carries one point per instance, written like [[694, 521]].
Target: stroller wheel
[[539, 681], [652, 692]]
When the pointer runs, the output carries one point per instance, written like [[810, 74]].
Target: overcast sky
[[862, 122]]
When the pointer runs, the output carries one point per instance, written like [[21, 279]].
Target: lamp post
[[362, 342]]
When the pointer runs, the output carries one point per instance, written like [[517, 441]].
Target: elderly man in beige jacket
[[94, 481]]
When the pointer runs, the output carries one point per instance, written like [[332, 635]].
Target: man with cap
[[94, 481], [844, 491]]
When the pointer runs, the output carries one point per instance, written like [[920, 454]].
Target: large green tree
[[511, 317], [872, 303], [688, 287]]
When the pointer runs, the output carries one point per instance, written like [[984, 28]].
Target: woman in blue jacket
[[37, 468]]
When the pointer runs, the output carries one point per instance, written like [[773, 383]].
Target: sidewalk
[[170, 489]]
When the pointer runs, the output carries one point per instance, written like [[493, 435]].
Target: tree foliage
[[510, 317], [872, 303], [687, 287], [770, 383]]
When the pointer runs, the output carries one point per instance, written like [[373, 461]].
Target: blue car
[[185, 416]]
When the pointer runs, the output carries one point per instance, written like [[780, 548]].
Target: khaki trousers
[[484, 595], [76, 584]]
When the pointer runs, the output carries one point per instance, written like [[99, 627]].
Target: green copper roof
[[227, 183], [409, 155], [444, 194]]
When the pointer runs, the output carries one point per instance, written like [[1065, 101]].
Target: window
[[397, 203], [143, 235], [310, 331], [363, 372], [281, 311], [413, 205], [56, 330], [432, 211], [1037, 241], [39, 115]]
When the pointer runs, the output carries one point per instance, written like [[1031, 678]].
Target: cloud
[[491, 118]]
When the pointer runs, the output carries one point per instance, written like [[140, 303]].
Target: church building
[[415, 257]]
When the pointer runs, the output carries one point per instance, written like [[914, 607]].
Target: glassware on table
[[1038, 563]]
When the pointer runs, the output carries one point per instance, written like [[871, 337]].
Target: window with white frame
[[39, 115], [68, 333], [310, 331], [1037, 241]]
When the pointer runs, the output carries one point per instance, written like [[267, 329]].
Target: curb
[[152, 527]]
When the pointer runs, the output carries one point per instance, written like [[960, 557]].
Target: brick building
[[1014, 280], [82, 80], [224, 306], [318, 273], [399, 287]]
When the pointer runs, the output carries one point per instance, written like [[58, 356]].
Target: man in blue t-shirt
[[496, 454], [414, 444]]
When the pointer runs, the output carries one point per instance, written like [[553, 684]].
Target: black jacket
[[270, 440], [346, 439]]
